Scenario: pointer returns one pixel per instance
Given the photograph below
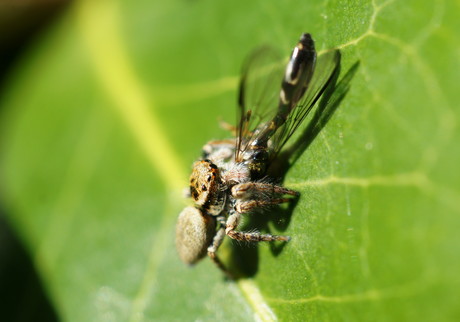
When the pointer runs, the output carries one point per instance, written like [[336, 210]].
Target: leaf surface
[[103, 118]]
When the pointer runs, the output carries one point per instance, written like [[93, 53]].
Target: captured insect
[[231, 179]]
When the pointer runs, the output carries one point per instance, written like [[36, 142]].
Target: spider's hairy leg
[[249, 205], [248, 189], [218, 149], [232, 223], [212, 251]]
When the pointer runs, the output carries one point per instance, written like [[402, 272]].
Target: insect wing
[[326, 66], [258, 94]]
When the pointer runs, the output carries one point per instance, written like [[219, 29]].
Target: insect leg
[[228, 127]]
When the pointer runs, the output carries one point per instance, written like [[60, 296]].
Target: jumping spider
[[231, 178]]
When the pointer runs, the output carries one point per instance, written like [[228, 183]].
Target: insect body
[[231, 178]]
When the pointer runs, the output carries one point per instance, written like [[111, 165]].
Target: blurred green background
[[104, 105]]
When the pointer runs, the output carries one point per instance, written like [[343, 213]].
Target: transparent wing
[[259, 89], [326, 65]]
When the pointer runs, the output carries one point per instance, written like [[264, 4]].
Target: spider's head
[[194, 233], [206, 187]]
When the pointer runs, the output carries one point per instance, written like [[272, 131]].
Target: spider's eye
[[204, 182]]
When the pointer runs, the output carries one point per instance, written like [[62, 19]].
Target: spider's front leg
[[265, 190], [250, 196], [253, 195], [232, 223], [219, 150]]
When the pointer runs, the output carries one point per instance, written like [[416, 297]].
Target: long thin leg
[[228, 127], [232, 129]]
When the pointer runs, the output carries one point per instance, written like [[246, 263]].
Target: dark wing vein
[[258, 94]]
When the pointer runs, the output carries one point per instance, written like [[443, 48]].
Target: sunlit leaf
[[103, 118]]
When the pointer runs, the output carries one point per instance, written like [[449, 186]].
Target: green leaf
[[102, 119]]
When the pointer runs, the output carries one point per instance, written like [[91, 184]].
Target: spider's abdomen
[[194, 233]]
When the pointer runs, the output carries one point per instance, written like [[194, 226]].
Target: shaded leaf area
[[22, 297], [101, 121]]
